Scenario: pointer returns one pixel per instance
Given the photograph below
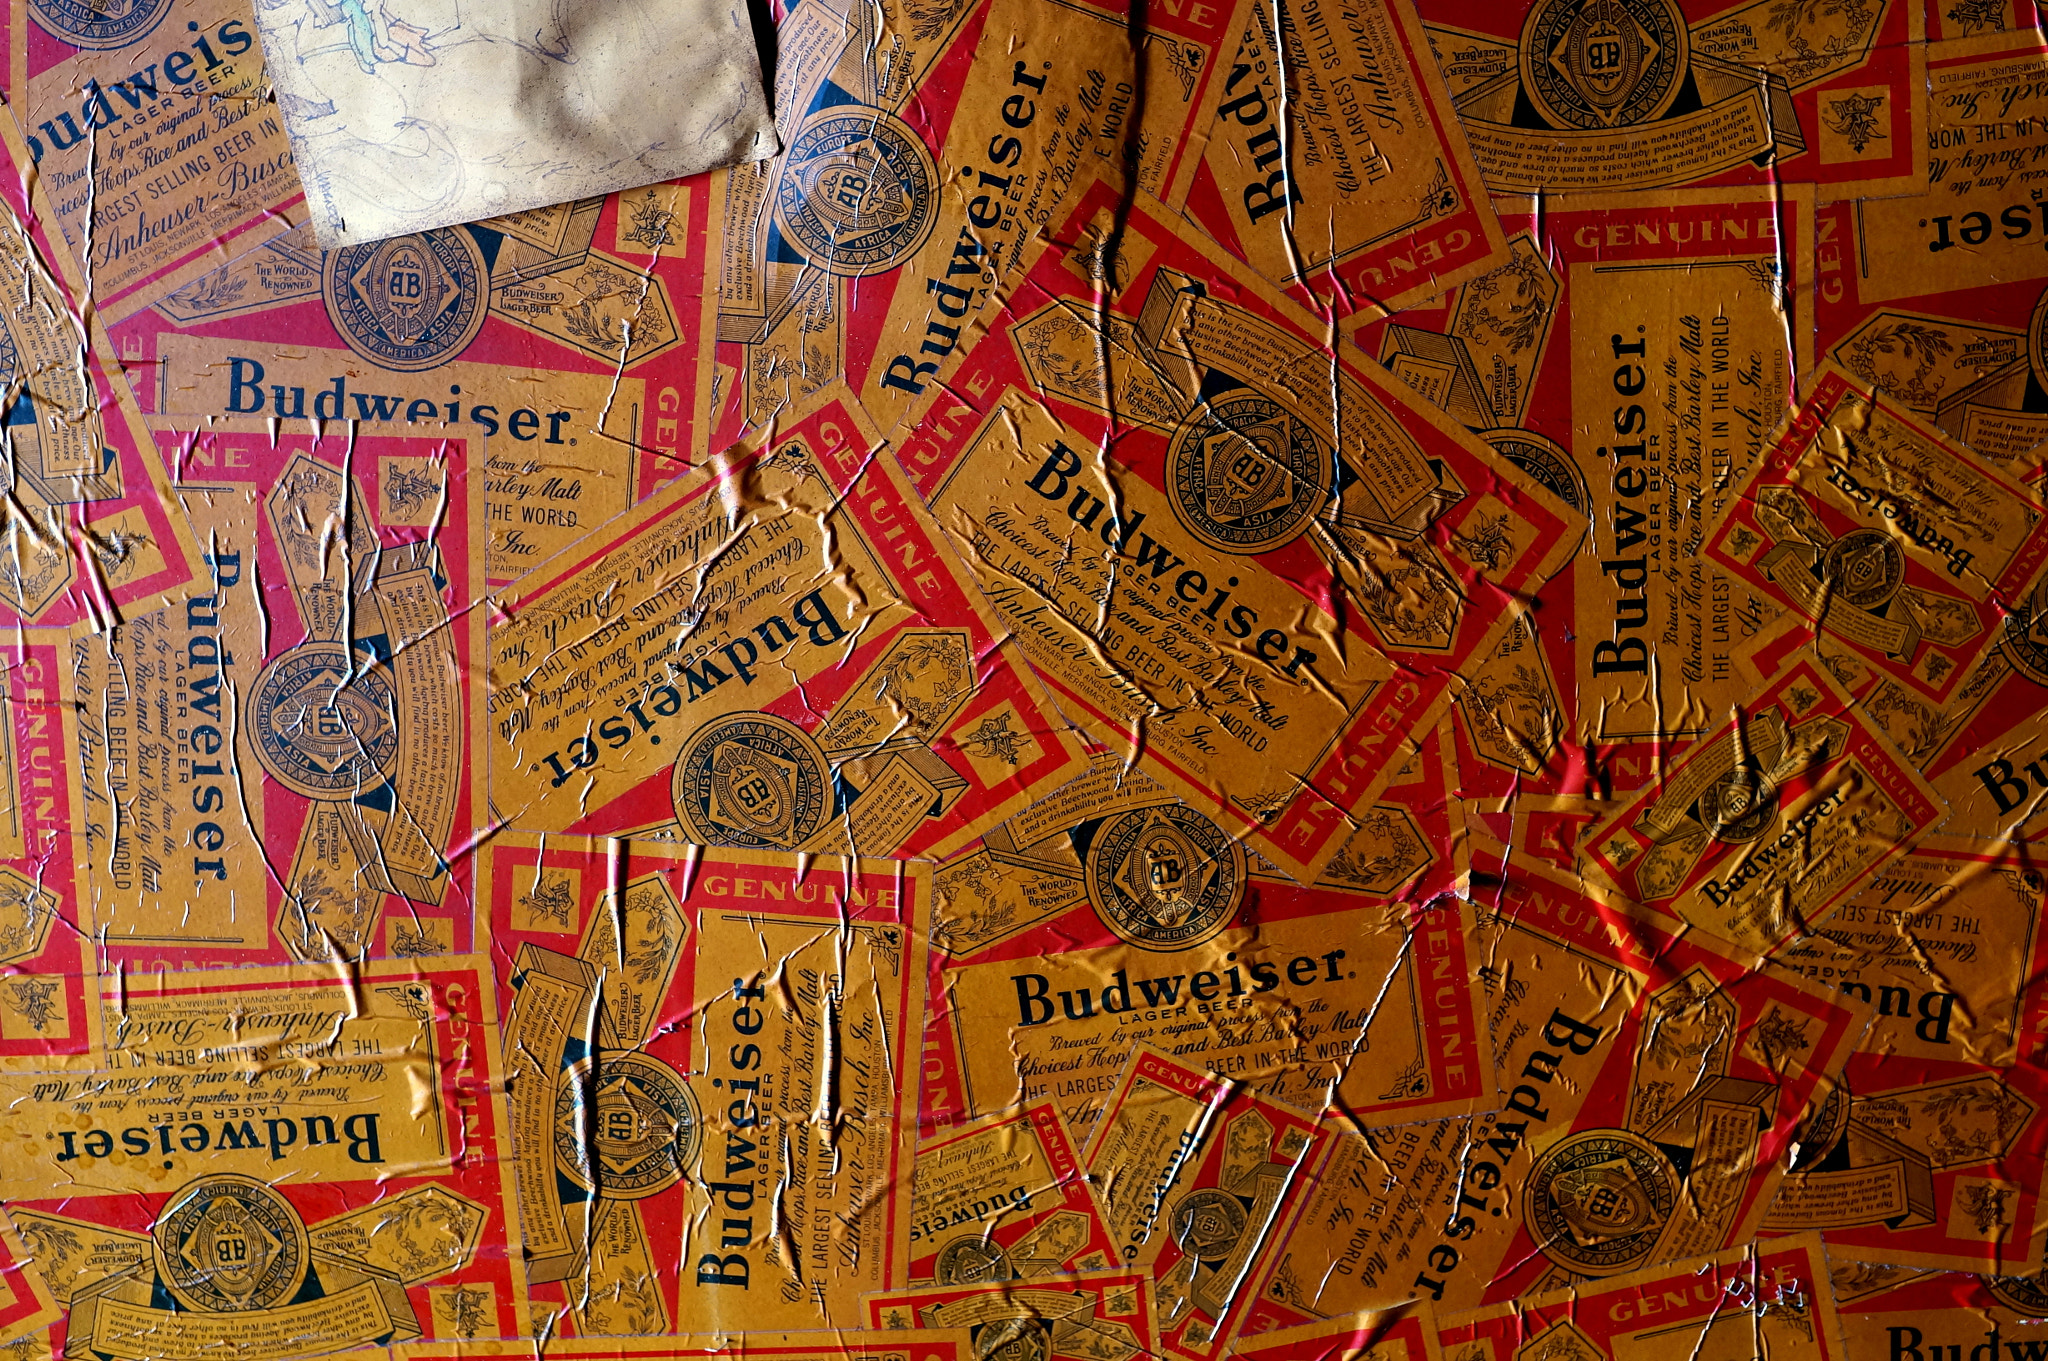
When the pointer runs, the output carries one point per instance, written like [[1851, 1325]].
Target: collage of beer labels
[[1304, 680]]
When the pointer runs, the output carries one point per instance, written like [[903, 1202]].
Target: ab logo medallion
[[409, 303], [627, 1131], [326, 723], [972, 1260], [1164, 878], [1598, 1201], [1604, 63], [856, 195], [229, 1243], [752, 780], [1246, 476]]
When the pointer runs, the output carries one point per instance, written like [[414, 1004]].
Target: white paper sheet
[[411, 114]]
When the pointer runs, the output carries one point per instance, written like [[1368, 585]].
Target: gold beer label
[[1882, 540], [667, 1157], [1773, 1294], [1648, 333], [1639, 1113], [1761, 830], [1404, 1334], [789, 658], [1976, 220], [1259, 468], [207, 1088], [1382, 204], [90, 525], [1087, 1316], [152, 134], [1198, 1175], [1557, 96], [1005, 1199], [1884, 1306], [311, 699]]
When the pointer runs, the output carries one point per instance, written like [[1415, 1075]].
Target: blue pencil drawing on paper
[[412, 114]]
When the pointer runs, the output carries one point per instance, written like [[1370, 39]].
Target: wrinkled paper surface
[[1303, 681]]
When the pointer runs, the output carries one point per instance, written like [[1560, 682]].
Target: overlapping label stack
[[1300, 680]]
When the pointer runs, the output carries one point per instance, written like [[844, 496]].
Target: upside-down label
[[1649, 1082], [1879, 534], [1763, 829], [1197, 1177], [654, 676]]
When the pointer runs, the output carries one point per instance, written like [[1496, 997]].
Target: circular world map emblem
[[972, 1260], [751, 780], [325, 721], [1604, 63], [1164, 878], [1738, 806], [2024, 642], [857, 193], [2037, 339], [1865, 567], [100, 24], [627, 1130], [1209, 1224], [2026, 1294], [1597, 1201], [1245, 476], [1546, 461], [229, 1243], [411, 302]]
